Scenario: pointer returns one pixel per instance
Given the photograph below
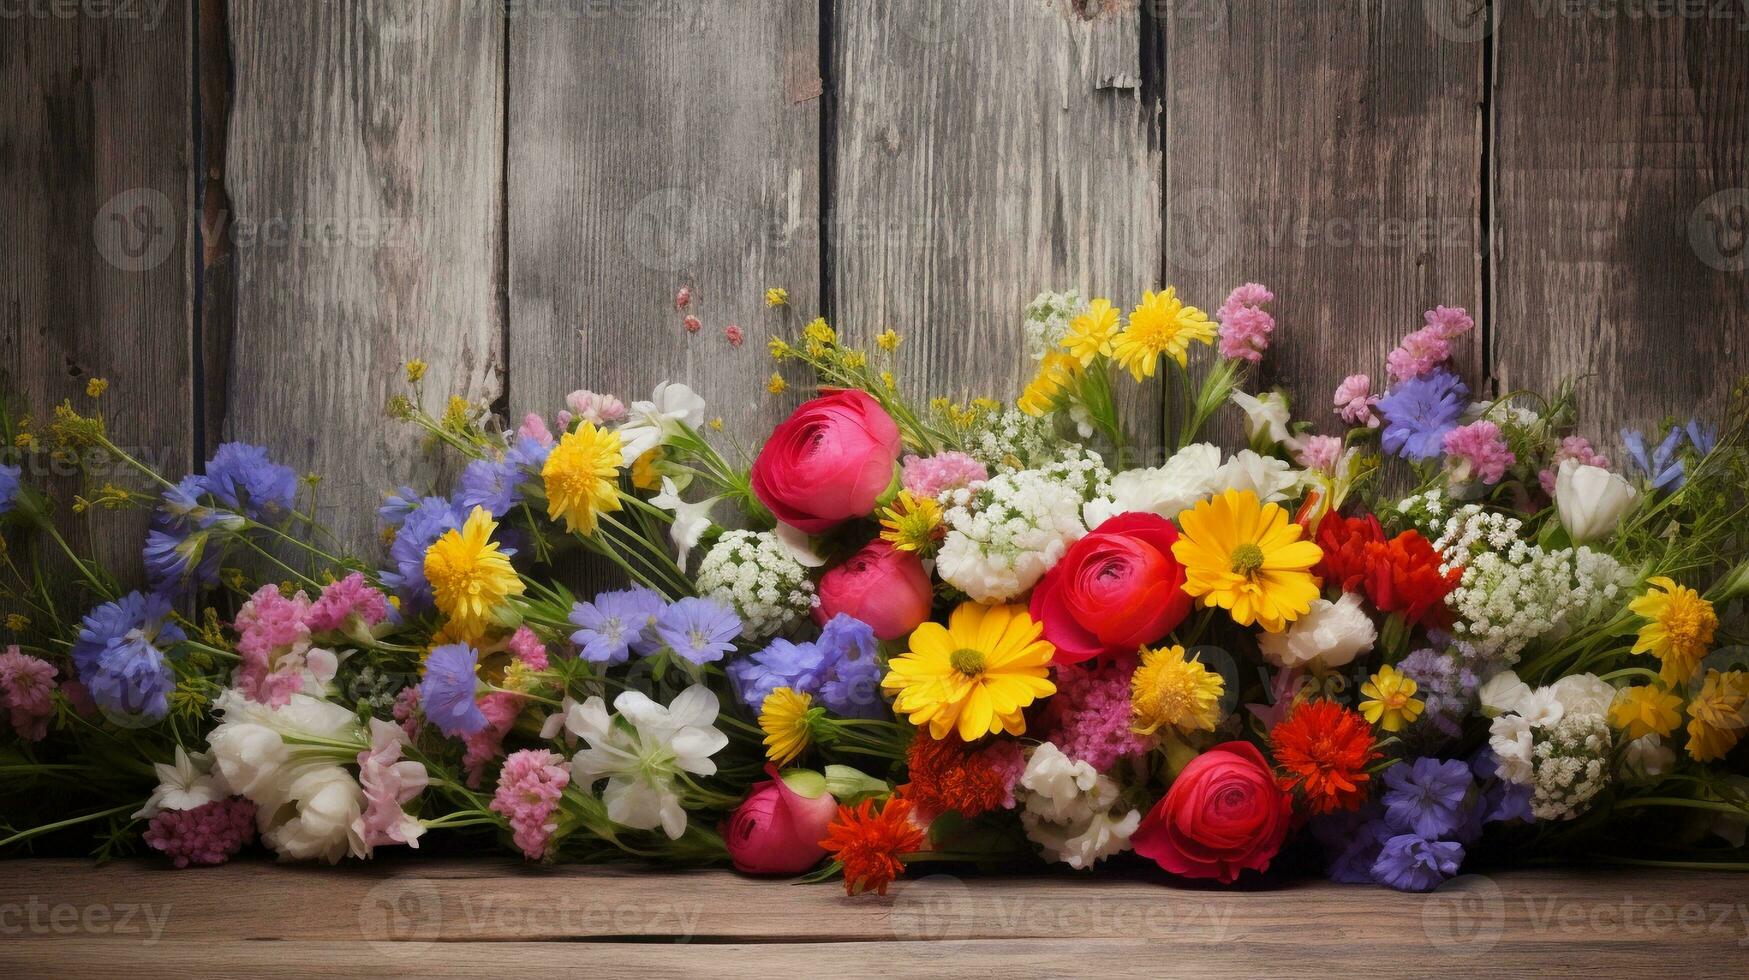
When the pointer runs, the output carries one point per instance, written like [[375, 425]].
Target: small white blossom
[[1269, 478], [650, 423], [691, 521], [185, 784], [1169, 490], [1003, 537], [758, 575], [1047, 321]]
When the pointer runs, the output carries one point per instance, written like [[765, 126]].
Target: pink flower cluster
[[528, 793], [1355, 401], [1429, 347], [1576, 448], [389, 781], [342, 600], [534, 427], [274, 643], [596, 408], [27, 687], [208, 834], [931, 476], [1480, 451], [1090, 716], [1245, 327], [1320, 453]]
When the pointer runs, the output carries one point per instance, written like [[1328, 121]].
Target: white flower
[[642, 753], [650, 422], [1266, 476], [1068, 809], [1003, 537], [757, 574], [1056, 784], [1084, 843], [1542, 709], [1591, 500], [1332, 632], [1583, 694], [1511, 740], [1646, 758], [183, 785], [799, 545], [690, 520], [316, 818], [1266, 415], [1047, 321], [1189, 476], [1572, 759], [555, 722], [1502, 694]]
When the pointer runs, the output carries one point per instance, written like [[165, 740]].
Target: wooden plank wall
[[515, 192]]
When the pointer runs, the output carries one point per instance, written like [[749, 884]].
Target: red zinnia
[[1324, 749], [946, 776], [872, 846], [1399, 575]]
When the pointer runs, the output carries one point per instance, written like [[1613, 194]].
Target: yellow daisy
[[1645, 710], [1680, 628], [1091, 333], [786, 718], [470, 577], [1718, 715], [1168, 691], [582, 477], [1161, 324], [975, 674], [911, 522], [1056, 372], [1390, 700], [1247, 558]]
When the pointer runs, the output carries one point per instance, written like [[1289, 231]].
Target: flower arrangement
[[1413, 631]]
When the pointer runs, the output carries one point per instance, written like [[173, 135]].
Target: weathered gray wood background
[[248, 213]]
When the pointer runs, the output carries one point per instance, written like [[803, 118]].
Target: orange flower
[[1325, 749], [947, 776], [872, 846]]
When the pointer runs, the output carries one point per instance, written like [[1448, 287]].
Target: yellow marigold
[[1645, 710], [471, 578], [776, 296], [888, 340], [1390, 700], [1161, 324], [1091, 334], [1718, 715], [910, 522], [786, 719], [1679, 630], [582, 477], [977, 674], [1056, 372], [1247, 558], [1169, 691]]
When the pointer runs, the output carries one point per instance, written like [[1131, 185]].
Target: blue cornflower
[[396, 506], [698, 630], [448, 690], [1428, 796], [1420, 411], [852, 687], [176, 553], [120, 655], [1704, 438], [529, 454], [1663, 470], [9, 483], [493, 484], [245, 480], [616, 622], [424, 523], [798, 666], [1410, 863]]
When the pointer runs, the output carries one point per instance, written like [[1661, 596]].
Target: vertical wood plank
[[985, 151], [1622, 237], [1331, 151], [654, 146], [364, 166], [94, 233]]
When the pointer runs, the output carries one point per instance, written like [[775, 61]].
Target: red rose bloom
[[1223, 814], [1116, 590], [1399, 575], [828, 462]]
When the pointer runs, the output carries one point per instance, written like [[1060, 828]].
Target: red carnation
[[1399, 575]]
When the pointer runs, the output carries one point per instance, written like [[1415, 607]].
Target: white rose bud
[[1592, 501]]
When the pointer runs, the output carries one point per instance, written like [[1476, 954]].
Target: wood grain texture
[[364, 168], [94, 231], [1331, 151], [983, 152], [1621, 238], [654, 146], [456, 918]]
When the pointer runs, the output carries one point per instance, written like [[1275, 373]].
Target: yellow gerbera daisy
[[1645, 710], [1247, 558], [1680, 630], [582, 477], [1168, 691], [975, 674], [470, 577], [1390, 700], [1718, 715], [1161, 324], [1091, 333], [786, 718], [1055, 373], [910, 523]]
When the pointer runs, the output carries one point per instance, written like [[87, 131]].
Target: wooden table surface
[[499, 918]]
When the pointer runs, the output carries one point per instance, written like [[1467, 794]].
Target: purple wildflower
[[1420, 411]]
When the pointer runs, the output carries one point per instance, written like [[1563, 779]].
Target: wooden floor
[[497, 918]]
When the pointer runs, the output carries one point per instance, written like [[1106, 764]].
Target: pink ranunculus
[[777, 830], [1114, 591], [829, 462], [1224, 814], [880, 585]]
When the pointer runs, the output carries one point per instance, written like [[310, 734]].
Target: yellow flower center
[[1174, 696], [1683, 623], [1247, 559], [967, 661]]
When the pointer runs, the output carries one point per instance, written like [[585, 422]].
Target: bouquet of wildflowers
[[1414, 630]]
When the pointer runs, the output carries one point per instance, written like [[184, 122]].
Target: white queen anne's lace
[[1004, 536], [759, 576], [1047, 320]]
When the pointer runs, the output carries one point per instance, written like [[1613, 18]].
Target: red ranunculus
[[1345, 541], [828, 462], [1399, 575], [776, 830], [1116, 590], [1224, 814], [880, 585]]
